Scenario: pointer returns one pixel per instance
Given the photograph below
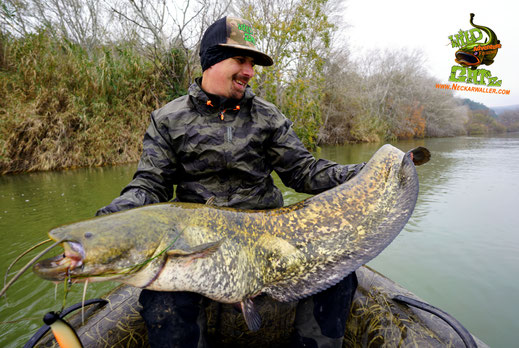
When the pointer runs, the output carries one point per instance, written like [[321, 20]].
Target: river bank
[[65, 106]]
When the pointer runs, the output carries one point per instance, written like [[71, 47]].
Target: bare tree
[[386, 95], [164, 26], [12, 17], [79, 21]]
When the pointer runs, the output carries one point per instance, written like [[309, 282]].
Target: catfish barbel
[[232, 255]]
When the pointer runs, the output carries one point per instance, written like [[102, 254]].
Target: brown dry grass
[[63, 107]]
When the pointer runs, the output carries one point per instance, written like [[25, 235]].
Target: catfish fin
[[420, 155], [311, 284], [284, 256], [210, 201], [252, 317], [202, 250]]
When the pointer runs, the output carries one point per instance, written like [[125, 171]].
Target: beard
[[238, 86]]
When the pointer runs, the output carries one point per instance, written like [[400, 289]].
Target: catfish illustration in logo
[[472, 56]]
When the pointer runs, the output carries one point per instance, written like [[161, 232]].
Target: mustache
[[241, 77]]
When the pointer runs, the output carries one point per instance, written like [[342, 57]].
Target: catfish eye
[[88, 235]]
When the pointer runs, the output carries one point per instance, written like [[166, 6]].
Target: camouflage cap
[[235, 33]]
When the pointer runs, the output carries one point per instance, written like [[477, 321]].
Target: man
[[221, 143]]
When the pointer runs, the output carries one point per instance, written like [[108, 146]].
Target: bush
[[65, 107]]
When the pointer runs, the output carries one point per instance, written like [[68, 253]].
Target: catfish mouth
[[467, 59], [62, 266]]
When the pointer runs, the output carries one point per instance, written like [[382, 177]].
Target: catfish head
[[106, 247], [469, 56]]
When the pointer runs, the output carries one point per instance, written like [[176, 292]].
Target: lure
[[65, 335]]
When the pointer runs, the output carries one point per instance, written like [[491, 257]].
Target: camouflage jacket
[[209, 150]]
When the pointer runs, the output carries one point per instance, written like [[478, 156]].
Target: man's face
[[229, 77]]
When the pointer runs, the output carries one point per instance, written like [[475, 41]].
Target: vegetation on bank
[[62, 106], [78, 79], [484, 121]]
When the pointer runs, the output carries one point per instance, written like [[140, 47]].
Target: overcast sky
[[426, 25]]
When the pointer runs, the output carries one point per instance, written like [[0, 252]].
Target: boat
[[383, 314]]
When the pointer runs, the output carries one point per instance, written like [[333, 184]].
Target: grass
[[64, 107], [377, 321]]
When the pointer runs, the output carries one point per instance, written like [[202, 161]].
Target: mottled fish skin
[[232, 255]]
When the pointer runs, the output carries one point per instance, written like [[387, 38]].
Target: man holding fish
[[219, 145]]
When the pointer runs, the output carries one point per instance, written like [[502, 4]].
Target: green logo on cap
[[247, 36]]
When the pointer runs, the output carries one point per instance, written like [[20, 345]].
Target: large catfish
[[232, 255]]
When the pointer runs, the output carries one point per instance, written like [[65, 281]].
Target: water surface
[[459, 251]]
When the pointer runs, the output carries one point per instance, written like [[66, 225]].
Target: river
[[459, 251]]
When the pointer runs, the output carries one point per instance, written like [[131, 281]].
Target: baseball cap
[[233, 35]]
